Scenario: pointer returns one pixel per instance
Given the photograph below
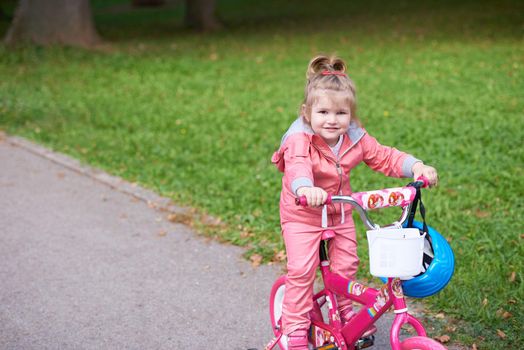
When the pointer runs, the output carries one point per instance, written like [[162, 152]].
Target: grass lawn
[[196, 117]]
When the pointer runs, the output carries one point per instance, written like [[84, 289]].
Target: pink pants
[[302, 242]]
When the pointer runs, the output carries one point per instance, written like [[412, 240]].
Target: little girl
[[316, 156]]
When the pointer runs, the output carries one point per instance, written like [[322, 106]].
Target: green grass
[[196, 117]]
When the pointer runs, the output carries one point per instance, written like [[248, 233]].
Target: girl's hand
[[315, 195], [430, 173]]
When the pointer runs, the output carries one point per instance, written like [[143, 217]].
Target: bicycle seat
[[328, 234]]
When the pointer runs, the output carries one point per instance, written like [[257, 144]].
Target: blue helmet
[[438, 266]]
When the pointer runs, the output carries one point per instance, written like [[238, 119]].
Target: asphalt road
[[88, 262]]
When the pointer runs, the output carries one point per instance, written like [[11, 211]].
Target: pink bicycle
[[327, 331]]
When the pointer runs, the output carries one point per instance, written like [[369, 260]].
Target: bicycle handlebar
[[389, 197]]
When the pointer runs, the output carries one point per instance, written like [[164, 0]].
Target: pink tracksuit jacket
[[306, 160]]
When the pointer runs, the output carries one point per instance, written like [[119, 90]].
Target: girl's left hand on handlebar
[[430, 173], [315, 196]]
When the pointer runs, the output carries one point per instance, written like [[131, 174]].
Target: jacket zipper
[[339, 169], [339, 172]]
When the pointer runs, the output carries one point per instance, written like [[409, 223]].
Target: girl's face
[[330, 115]]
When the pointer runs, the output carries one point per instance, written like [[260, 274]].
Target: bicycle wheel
[[276, 299], [421, 343]]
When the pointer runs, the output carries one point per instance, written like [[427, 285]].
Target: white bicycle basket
[[395, 252]]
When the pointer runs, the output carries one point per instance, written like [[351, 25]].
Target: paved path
[[86, 266]]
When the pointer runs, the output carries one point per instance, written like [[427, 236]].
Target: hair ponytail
[[324, 63], [338, 65]]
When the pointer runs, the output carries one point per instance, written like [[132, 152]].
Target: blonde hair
[[329, 73]]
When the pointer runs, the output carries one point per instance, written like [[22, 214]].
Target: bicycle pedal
[[327, 347], [365, 342]]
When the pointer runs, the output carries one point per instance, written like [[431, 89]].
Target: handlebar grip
[[424, 180], [302, 200]]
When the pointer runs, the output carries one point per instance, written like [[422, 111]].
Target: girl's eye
[[342, 113], [322, 111]]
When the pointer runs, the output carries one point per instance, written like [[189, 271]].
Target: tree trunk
[[47, 22], [200, 14]]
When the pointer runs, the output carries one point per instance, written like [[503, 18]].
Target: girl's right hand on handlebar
[[315, 196], [428, 172]]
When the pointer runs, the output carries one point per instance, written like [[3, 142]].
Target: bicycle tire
[[276, 299], [421, 343]]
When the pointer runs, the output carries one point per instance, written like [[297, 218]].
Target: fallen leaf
[[512, 276], [440, 315], [503, 314], [180, 218], [162, 233], [485, 302], [451, 329], [482, 214], [452, 191], [501, 334], [280, 256], [212, 221], [443, 338], [256, 259]]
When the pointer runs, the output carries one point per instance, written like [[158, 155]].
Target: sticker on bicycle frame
[[395, 198], [381, 300], [374, 201], [321, 337], [396, 287], [356, 288], [400, 196]]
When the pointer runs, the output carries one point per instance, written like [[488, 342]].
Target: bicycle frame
[[374, 304]]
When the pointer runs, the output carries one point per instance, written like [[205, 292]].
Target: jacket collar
[[319, 143]]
